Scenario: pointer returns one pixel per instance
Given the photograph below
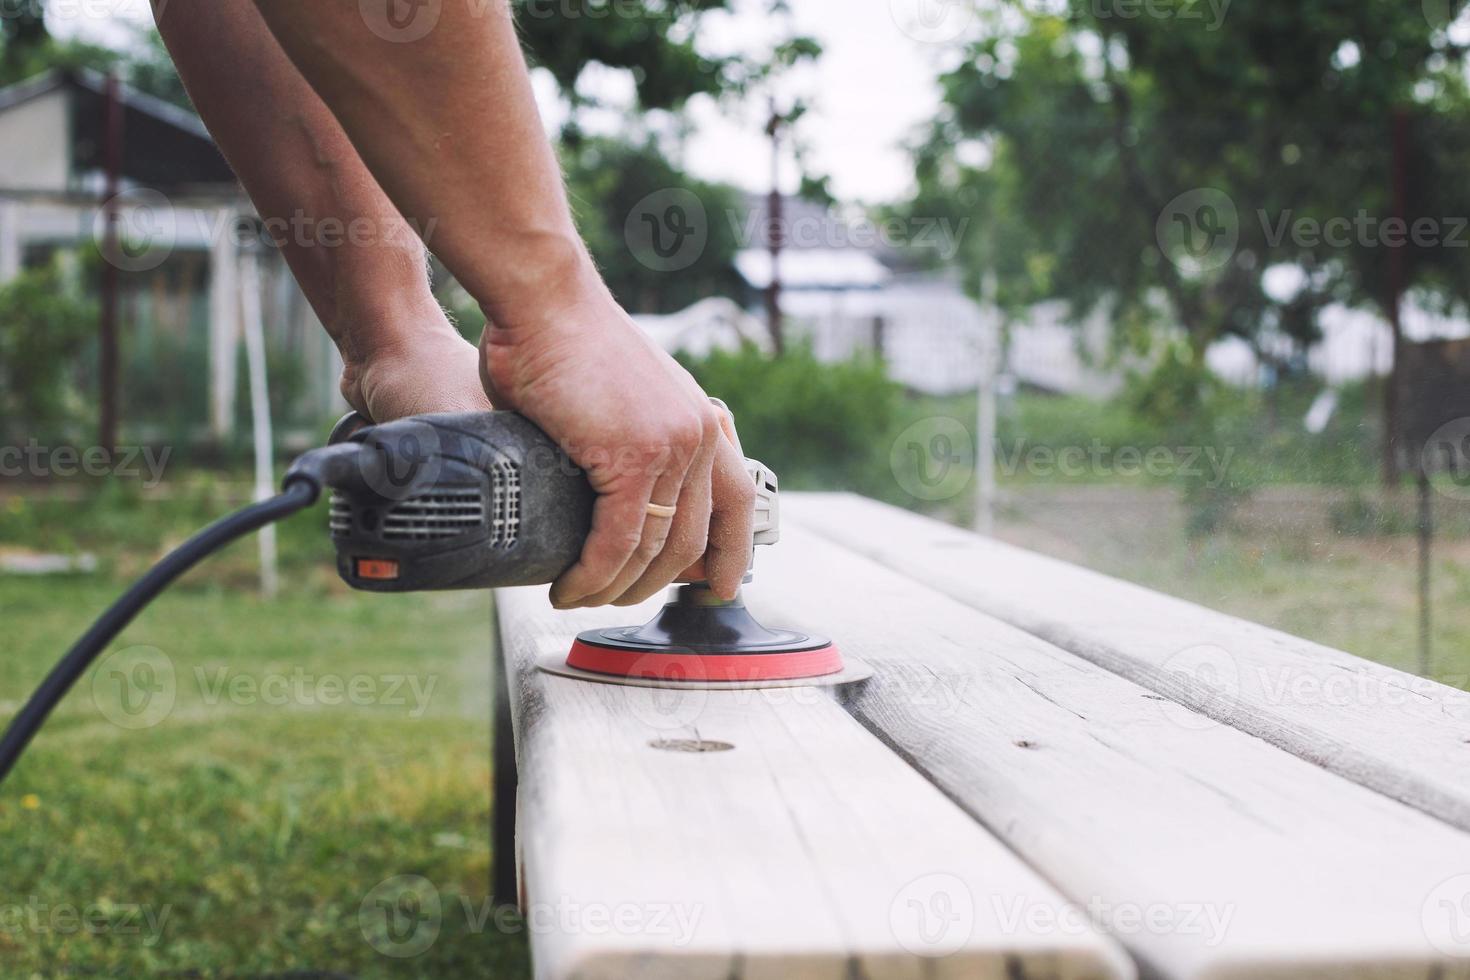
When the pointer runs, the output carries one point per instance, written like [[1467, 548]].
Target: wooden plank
[[1404, 736], [808, 849], [1209, 852]]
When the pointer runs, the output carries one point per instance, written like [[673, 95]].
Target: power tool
[[479, 500]]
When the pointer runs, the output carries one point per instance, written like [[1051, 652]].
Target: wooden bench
[[1052, 774]]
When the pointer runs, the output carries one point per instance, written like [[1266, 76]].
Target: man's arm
[[359, 263], [439, 106]]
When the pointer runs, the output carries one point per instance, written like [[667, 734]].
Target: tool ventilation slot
[[446, 513], [505, 495]]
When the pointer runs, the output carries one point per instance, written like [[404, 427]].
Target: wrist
[[548, 276], [368, 335]]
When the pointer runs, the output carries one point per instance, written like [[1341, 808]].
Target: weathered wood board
[[806, 850], [1401, 735], [1207, 851]]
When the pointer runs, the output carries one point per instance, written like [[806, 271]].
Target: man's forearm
[[448, 124]]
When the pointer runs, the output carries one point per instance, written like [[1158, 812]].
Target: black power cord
[[303, 485]]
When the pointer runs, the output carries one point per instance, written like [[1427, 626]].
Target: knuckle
[[690, 546], [741, 495], [648, 549]]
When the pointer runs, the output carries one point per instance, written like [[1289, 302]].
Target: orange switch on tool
[[377, 568]]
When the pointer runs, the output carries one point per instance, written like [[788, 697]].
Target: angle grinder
[[486, 499], [478, 500]]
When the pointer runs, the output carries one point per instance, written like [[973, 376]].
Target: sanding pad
[[700, 640], [662, 674]]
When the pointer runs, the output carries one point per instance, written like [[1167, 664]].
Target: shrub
[[819, 426], [41, 324]]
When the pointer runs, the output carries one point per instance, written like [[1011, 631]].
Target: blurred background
[[1174, 289]]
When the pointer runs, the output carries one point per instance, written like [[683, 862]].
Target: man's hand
[[420, 367], [643, 430]]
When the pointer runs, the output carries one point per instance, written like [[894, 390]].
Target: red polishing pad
[[675, 666]]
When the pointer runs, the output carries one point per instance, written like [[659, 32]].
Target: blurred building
[[184, 222]]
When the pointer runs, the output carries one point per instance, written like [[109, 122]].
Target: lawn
[[247, 788], [228, 791]]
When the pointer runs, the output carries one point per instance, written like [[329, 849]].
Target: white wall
[[33, 144]]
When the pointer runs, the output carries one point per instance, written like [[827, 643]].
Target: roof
[[163, 145], [814, 268]]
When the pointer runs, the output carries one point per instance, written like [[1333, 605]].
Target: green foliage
[[42, 321], [818, 425], [1069, 134], [250, 828], [609, 183]]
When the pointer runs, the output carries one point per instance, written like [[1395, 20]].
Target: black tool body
[[457, 501]]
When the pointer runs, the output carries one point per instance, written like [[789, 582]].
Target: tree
[[612, 183], [1159, 159]]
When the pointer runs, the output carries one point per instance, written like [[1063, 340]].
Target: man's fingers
[[617, 530], [731, 522], [687, 537], [653, 534]]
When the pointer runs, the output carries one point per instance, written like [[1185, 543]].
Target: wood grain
[[1404, 736], [805, 849], [1207, 851]]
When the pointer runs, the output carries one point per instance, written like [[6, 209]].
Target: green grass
[[242, 831], [1279, 562]]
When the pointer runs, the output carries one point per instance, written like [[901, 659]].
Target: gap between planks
[[1252, 862], [808, 850], [1404, 736]]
